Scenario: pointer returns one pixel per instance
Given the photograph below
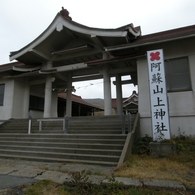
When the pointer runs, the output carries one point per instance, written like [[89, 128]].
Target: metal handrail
[[126, 121], [29, 123], [47, 119]]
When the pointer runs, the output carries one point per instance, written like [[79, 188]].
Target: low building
[[79, 106], [131, 104]]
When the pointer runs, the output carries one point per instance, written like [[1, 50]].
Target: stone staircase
[[91, 140]]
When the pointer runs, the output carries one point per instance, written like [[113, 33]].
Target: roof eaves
[[156, 38], [134, 31], [130, 103], [15, 54], [9, 66]]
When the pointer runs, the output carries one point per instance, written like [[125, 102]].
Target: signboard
[[158, 95]]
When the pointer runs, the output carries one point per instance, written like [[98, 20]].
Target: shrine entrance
[[68, 52]]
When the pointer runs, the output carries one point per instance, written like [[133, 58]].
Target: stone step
[[90, 157], [44, 159], [61, 150], [76, 125], [92, 140], [52, 125], [65, 136], [66, 140], [118, 132], [65, 145], [76, 131]]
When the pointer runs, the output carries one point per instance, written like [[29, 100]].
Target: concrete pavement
[[18, 172]]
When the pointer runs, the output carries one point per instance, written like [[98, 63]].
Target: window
[[36, 103], [177, 74], [2, 88]]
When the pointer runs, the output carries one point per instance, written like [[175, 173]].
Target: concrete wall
[[16, 99], [181, 104], [20, 100], [6, 109]]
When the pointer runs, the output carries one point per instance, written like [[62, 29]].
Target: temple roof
[[68, 42], [78, 49]]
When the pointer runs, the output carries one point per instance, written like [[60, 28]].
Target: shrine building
[[68, 52]]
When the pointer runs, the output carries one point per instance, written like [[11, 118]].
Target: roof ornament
[[65, 14]]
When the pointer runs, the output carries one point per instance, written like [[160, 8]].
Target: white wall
[[16, 99], [181, 104], [6, 109]]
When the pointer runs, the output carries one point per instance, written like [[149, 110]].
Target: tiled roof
[[169, 34], [127, 101], [159, 37], [77, 99], [10, 65], [114, 102]]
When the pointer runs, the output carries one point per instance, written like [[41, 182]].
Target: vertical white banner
[[158, 95]]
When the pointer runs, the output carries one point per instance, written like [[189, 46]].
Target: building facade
[[68, 52]]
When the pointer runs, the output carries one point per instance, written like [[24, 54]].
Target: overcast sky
[[21, 21]]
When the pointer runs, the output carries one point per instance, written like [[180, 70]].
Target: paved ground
[[7, 181], [18, 172]]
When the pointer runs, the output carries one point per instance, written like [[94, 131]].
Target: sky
[[21, 21]]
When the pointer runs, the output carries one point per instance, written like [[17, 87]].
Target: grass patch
[[179, 166], [47, 187]]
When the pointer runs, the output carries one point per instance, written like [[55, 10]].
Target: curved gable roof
[[64, 35]]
